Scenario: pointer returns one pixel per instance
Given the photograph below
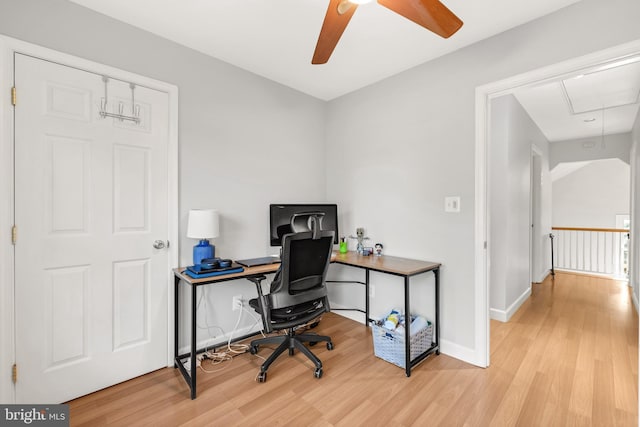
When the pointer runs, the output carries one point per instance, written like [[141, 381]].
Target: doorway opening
[[609, 58]]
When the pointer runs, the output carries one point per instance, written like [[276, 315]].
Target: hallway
[[572, 352]]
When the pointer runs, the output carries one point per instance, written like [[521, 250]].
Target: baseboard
[[351, 314], [543, 276], [446, 347], [460, 352], [634, 298], [499, 315], [222, 340], [590, 274], [505, 315], [344, 311]]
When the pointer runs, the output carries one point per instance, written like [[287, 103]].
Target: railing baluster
[[597, 252], [582, 245], [571, 236], [587, 251], [592, 250]]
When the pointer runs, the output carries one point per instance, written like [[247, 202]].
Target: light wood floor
[[569, 356]]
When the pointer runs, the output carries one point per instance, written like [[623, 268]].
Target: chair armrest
[[257, 279], [262, 302], [258, 282]]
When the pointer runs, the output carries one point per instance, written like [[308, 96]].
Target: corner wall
[[512, 137], [398, 147], [634, 256], [592, 196], [236, 129]]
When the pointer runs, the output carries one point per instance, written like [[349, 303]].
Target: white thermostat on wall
[[452, 204]]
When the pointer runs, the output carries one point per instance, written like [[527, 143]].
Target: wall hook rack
[[104, 102]]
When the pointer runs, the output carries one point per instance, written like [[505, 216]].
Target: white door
[[91, 198]]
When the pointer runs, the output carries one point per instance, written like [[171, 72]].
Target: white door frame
[[8, 47], [535, 256], [484, 95]]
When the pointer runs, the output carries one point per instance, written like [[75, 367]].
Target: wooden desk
[[405, 268], [402, 267]]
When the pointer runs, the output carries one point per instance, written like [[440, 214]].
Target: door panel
[[91, 197]]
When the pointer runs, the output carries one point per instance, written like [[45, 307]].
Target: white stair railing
[[592, 250]]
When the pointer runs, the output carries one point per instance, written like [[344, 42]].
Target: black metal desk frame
[[435, 347], [190, 375]]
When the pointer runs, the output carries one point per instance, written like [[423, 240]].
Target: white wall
[[236, 131], [541, 214], [398, 147], [388, 153], [592, 196], [584, 149], [512, 135], [634, 256]]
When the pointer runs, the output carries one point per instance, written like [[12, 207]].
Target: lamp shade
[[203, 224]]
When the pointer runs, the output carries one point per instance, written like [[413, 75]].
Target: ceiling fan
[[431, 14]]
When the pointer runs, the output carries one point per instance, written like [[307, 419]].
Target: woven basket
[[389, 345]]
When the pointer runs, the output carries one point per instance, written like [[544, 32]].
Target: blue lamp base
[[202, 251]]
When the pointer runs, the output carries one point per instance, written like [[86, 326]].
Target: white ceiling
[[276, 38], [591, 103]]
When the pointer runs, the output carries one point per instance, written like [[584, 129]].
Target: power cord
[[232, 350], [206, 322]]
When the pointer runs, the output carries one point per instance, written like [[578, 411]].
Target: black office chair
[[298, 293]]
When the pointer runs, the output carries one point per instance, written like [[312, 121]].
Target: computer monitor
[[280, 219]]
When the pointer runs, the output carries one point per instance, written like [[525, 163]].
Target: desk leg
[[366, 297], [436, 273], [192, 356], [407, 328], [176, 315]]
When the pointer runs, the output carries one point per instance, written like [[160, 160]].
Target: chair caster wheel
[[262, 377], [312, 343], [318, 373], [437, 352], [291, 352], [253, 349], [329, 345]]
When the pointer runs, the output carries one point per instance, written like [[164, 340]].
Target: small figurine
[[360, 237], [379, 247]]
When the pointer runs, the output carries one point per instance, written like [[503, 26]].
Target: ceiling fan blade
[[338, 16], [431, 14]]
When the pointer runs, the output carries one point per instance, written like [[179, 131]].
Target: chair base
[[290, 341]]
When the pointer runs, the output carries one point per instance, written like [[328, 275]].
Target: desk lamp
[[203, 224]]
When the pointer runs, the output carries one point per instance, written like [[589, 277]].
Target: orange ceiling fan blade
[[338, 16], [431, 14]]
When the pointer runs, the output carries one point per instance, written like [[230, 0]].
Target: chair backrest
[[307, 221], [304, 263]]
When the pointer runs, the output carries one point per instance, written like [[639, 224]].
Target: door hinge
[[14, 373], [14, 97], [14, 234]]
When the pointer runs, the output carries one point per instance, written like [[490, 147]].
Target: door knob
[[159, 244]]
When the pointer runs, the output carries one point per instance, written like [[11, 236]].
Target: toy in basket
[[389, 344]]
